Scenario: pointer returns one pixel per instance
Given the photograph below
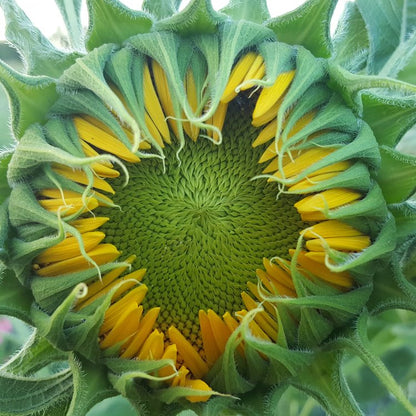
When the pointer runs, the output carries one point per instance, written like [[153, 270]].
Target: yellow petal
[[270, 95], [69, 248], [84, 225], [342, 279], [103, 140], [99, 285], [170, 353], [274, 285], [256, 72], [219, 329], [237, 76], [211, 349], [356, 243], [278, 274], [189, 355], [70, 205], [133, 346], [331, 228], [153, 347], [152, 105], [162, 88], [197, 385], [126, 325], [330, 199], [116, 309], [263, 319], [102, 254], [192, 94], [79, 176]]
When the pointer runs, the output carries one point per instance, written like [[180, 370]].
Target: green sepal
[[388, 117], [5, 158], [397, 175], [198, 17], [113, 22], [15, 300], [283, 363], [91, 385], [52, 327], [122, 372], [388, 25], [86, 102], [35, 354], [88, 73], [33, 152], [351, 86], [30, 97], [256, 11], [405, 217], [161, 9], [39, 55], [308, 25], [29, 395], [350, 43], [71, 13], [325, 382]]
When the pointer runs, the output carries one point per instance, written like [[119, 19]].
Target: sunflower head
[[202, 205]]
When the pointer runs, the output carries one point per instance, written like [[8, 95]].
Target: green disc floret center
[[201, 227]]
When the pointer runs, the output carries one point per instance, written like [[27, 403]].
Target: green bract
[[331, 217]]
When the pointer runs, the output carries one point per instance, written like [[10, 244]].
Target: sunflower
[[203, 207]]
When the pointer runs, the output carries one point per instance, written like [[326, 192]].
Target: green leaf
[[350, 41], [254, 11], [28, 395], [36, 354], [113, 22], [397, 175], [30, 97], [197, 18], [15, 300], [39, 55], [389, 26], [161, 9], [71, 13], [91, 385], [388, 117], [308, 26]]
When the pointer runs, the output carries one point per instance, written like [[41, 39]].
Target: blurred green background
[[393, 334]]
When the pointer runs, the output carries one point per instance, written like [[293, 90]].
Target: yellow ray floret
[[192, 94], [342, 279], [103, 140], [127, 324], [153, 106], [356, 243], [69, 206], [212, 352], [153, 347], [84, 225], [331, 228], [163, 92], [312, 208], [217, 120], [79, 176], [237, 76], [69, 248], [254, 327], [278, 273], [190, 356], [274, 285], [116, 309], [271, 95], [102, 199], [102, 254], [133, 346], [197, 384], [92, 120], [99, 285], [256, 72], [263, 319]]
